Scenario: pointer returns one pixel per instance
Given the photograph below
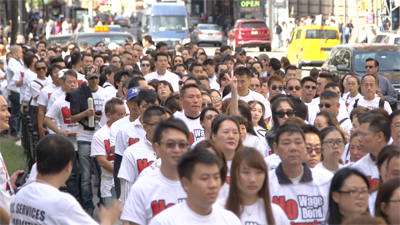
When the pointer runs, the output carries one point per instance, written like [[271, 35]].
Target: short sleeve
[[52, 112], [128, 169], [279, 215], [43, 98], [120, 142], [97, 146], [74, 214], [134, 208]]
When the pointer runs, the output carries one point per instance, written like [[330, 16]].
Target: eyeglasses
[[369, 67], [282, 114], [324, 105], [145, 64], [310, 87], [334, 142], [311, 148], [41, 68], [355, 192], [173, 144], [291, 88], [274, 88]]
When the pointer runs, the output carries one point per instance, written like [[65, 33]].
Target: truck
[[167, 22]]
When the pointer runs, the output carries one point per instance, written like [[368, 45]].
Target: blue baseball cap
[[132, 93]]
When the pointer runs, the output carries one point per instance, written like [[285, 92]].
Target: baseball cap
[[132, 93], [241, 51]]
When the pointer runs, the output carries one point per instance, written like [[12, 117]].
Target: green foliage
[[13, 155]]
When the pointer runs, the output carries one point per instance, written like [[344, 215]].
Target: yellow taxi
[[310, 45]]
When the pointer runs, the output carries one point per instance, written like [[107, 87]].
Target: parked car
[[351, 58], [387, 38], [310, 45], [91, 39], [250, 33], [122, 21], [208, 33]]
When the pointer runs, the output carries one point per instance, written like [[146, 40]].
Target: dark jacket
[[78, 103]]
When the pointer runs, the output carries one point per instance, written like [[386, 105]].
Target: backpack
[[381, 103]]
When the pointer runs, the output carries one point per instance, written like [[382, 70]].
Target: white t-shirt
[[349, 101], [273, 161], [372, 104], [99, 99], [305, 202], [29, 76], [116, 127], [181, 214], [255, 214], [14, 70], [368, 167], [256, 142], [53, 97], [110, 89], [255, 96], [136, 158], [40, 203], [129, 134], [150, 195], [195, 128], [45, 94], [101, 146], [172, 78], [35, 87]]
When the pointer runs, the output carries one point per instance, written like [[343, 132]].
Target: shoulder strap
[[381, 103], [342, 120], [40, 84], [355, 103]]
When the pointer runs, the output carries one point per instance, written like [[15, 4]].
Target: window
[[298, 34], [321, 34]]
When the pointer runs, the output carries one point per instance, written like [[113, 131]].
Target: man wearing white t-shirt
[[200, 175], [191, 101], [161, 188], [140, 155], [162, 73], [243, 76], [40, 202], [370, 99], [375, 134], [101, 149], [293, 185], [81, 113], [44, 97]]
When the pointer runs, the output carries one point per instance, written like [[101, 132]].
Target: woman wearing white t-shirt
[[249, 196], [333, 141], [257, 111]]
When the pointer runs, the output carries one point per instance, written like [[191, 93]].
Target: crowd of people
[[184, 137]]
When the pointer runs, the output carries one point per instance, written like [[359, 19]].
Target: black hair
[[198, 155], [216, 123], [187, 86], [377, 123], [394, 115], [171, 123], [205, 110], [146, 95], [28, 58], [332, 85], [153, 110], [110, 104], [329, 95], [288, 128], [326, 75], [161, 44], [275, 103], [194, 65], [134, 82], [242, 71], [275, 64], [310, 129], [334, 215], [300, 108], [307, 79], [54, 152], [387, 154], [328, 130], [372, 59], [385, 193], [173, 103]]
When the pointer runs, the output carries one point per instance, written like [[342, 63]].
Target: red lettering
[[66, 114], [109, 151], [158, 206], [290, 206], [373, 184], [132, 141], [142, 164], [191, 138], [306, 223]]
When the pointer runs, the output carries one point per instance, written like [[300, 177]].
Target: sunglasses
[[274, 88], [173, 144], [145, 64], [282, 114], [310, 87], [41, 68], [291, 88], [324, 105]]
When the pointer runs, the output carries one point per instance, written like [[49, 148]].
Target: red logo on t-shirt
[[66, 114], [373, 184], [110, 153], [289, 206], [158, 206], [191, 138], [132, 141], [143, 164]]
